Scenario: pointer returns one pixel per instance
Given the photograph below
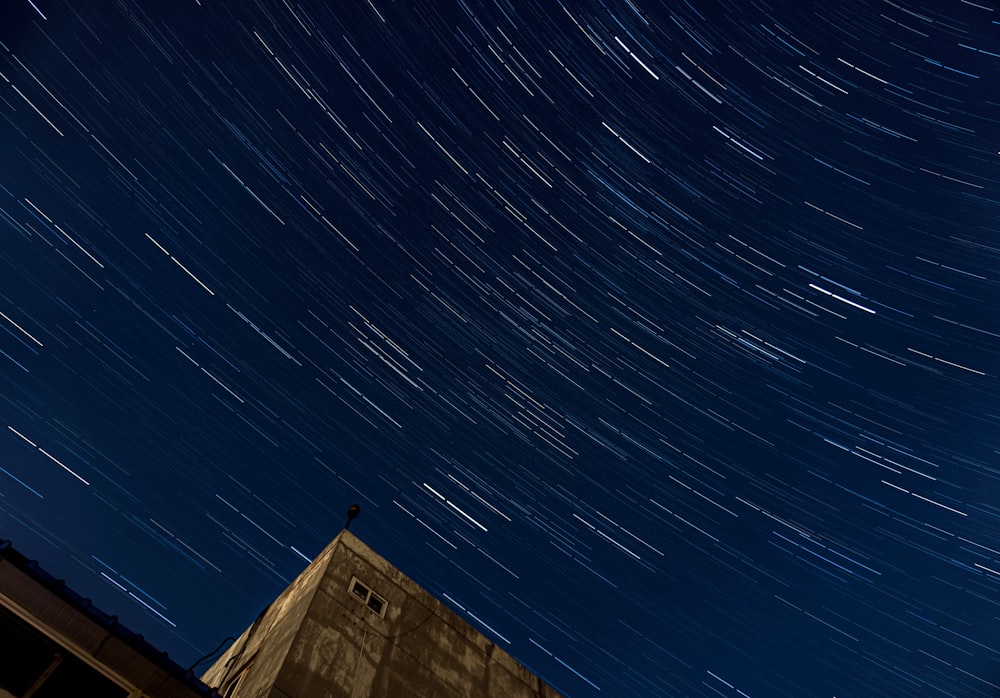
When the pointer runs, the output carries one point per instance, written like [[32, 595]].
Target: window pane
[[360, 589]]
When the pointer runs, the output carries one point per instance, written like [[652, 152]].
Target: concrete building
[[352, 626], [55, 643]]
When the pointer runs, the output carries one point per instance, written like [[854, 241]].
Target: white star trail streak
[[658, 340]]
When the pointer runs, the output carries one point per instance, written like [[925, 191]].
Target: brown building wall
[[318, 640], [256, 657]]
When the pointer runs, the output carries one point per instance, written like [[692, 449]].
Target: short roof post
[[352, 513]]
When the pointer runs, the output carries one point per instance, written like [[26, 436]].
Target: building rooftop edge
[[9, 554], [358, 546]]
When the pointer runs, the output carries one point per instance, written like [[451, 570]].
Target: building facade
[[353, 626]]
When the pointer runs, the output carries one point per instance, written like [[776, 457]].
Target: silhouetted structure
[[352, 513], [54, 643]]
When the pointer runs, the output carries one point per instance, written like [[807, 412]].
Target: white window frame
[[356, 586]]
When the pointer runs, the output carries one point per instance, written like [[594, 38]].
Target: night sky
[[658, 340]]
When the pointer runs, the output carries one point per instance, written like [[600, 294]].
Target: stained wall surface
[[354, 625]]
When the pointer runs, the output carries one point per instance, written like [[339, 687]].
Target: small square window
[[359, 589], [372, 600]]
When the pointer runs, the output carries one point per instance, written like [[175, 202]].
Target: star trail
[[658, 340]]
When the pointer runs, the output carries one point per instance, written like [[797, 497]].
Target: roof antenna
[[352, 513]]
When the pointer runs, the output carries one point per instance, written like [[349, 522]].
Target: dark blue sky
[[659, 340]]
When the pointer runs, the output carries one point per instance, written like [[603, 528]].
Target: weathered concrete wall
[[266, 642], [419, 649], [318, 640]]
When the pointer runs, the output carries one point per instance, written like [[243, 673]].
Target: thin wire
[[357, 670]]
